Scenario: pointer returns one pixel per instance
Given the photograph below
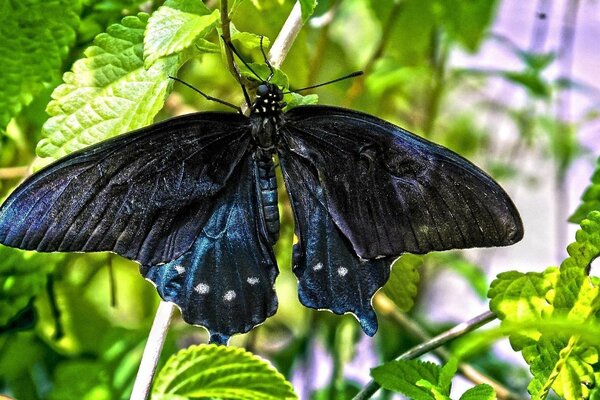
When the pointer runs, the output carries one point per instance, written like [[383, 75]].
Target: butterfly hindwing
[[391, 192], [330, 275], [224, 282], [144, 195]]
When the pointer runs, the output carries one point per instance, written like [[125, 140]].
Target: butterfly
[[193, 199]]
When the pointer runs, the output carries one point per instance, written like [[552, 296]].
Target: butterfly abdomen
[[267, 184]]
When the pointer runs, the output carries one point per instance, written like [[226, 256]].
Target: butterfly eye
[[262, 90]]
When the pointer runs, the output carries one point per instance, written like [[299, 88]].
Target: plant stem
[[14, 172], [459, 330], [288, 33], [152, 350]]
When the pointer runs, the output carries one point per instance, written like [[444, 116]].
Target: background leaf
[[23, 275], [590, 200], [175, 26], [108, 93], [222, 372], [402, 286], [36, 39]]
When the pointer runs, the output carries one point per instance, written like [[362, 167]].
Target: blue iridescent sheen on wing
[[224, 282], [330, 275]]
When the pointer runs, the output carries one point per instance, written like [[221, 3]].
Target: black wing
[[224, 282], [390, 191], [330, 275], [144, 195]]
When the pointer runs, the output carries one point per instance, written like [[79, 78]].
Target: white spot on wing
[[229, 295], [180, 270], [202, 288], [318, 267], [252, 280], [342, 271]]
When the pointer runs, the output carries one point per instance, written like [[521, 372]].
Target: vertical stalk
[[154, 345]]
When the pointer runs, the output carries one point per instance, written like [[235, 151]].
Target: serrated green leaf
[[402, 376], [295, 100], [23, 274], [479, 392], [210, 371], [248, 40], [558, 361], [36, 40], [447, 372], [109, 92], [590, 200], [307, 7], [175, 26], [404, 280]]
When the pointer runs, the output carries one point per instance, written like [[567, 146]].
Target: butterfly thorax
[[266, 117]]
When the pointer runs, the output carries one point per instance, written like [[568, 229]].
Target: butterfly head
[[268, 100]]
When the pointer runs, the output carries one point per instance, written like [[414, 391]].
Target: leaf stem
[[14, 172], [288, 33], [459, 330], [152, 350]]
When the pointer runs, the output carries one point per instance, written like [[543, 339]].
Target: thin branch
[[459, 330], [288, 33], [154, 345], [14, 172], [387, 308]]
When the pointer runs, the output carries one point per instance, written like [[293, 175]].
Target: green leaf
[[36, 39], [209, 371], [307, 7], [407, 376], [590, 200], [531, 81], [558, 361], [447, 372], [81, 379], [109, 92], [467, 21], [280, 79], [295, 100], [404, 280], [175, 26], [23, 274], [479, 392], [248, 40]]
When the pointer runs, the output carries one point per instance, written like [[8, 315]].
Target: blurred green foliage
[[61, 337]]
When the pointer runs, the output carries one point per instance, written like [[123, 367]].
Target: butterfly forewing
[[391, 192], [144, 195]]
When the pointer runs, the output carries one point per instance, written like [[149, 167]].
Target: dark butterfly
[[194, 200]]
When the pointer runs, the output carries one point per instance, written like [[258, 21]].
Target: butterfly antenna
[[234, 50], [207, 97], [262, 50], [352, 75]]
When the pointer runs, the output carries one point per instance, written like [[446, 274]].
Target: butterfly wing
[[144, 195], [391, 192], [224, 282], [330, 275]]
